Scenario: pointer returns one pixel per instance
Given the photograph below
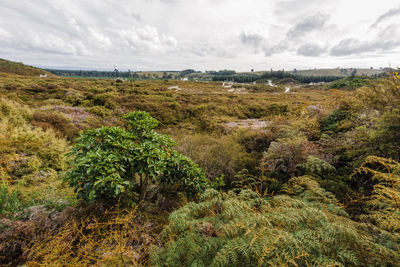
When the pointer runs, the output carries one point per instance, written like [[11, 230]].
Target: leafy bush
[[308, 125], [216, 155], [24, 148], [318, 167], [284, 155], [334, 120], [57, 121], [305, 229], [386, 137], [100, 111], [350, 83], [383, 95], [112, 161]]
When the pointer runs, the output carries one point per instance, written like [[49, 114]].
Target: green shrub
[[277, 109], [284, 155], [256, 141], [334, 120], [100, 111], [380, 203], [55, 120], [318, 167], [111, 162], [386, 137], [30, 148], [216, 155], [9, 201], [105, 99], [350, 83]]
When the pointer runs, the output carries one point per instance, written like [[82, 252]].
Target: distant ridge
[[8, 68]]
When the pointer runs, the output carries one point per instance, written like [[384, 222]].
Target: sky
[[201, 34]]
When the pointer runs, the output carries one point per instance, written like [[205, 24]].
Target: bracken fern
[[304, 228]]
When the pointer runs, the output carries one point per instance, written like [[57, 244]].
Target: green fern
[[304, 228]]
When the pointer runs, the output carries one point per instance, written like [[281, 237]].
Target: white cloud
[[99, 38], [392, 13], [5, 34]]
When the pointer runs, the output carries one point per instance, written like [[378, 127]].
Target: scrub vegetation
[[105, 172]]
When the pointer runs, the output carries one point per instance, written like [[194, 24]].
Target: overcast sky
[[201, 34]]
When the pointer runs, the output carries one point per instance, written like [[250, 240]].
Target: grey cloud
[[391, 13], [258, 43], [353, 46], [310, 50], [309, 24], [385, 40], [253, 40]]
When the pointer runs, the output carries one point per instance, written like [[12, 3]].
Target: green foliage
[[141, 122], [57, 121], [318, 167], [30, 161], [261, 184], [9, 201], [350, 83], [284, 155], [334, 120], [382, 206], [24, 148], [111, 161], [216, 155], [387, 134], [100, 111], [305, 229], [383, 95]]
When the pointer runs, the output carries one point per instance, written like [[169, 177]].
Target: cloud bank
[[200, 34]]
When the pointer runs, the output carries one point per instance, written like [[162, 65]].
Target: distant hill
[[9, 67]]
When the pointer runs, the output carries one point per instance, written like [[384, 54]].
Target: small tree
[[111, 162]]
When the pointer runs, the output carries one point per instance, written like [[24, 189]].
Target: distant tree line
[[113, 74], [237, 78], [280, 74], [93, 73], [221, 75], [221, 72], [272, 75]]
